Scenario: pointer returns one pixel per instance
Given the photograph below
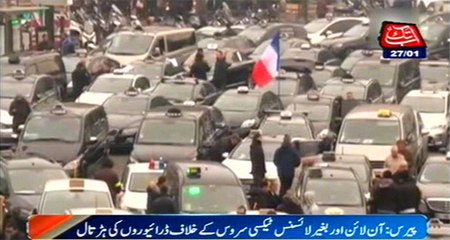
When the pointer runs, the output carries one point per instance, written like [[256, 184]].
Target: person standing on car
[[80, 79], [19, 109], [110, 176], [258, 160], [200, 68], [286, 159], [407, 193], [224, 145], [163, 204], [220, 71], [384, 195]]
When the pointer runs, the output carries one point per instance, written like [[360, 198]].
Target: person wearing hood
[[258, 160], [286, 159], [290, 204], [19, 109], [384, 195], [311, 205], [408, 195]]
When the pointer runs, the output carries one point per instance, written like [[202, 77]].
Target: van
[[204, 187], [372, 130], [154, 42]]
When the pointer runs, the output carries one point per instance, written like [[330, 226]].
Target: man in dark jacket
[[384, 195], [220, 71], [408, 195], [200, 68], [286, 159], [68, 46], [80, 79], [258, 160], [45, 44], [163, 204], [153, 192], [225, 145], [19, 110], [12, 232], [107, 174]]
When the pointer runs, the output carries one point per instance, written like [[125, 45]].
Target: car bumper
[[6, 139]]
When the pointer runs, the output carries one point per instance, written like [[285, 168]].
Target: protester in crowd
[[224, 145], [19, 109], [384, 195], [258, 160], [286, 159], [68, 46], [394, 160], [110, 176], [220, 70], [408, 195], [163, 204], [45, 44], [200, 68], [80, 79], [12, 232]]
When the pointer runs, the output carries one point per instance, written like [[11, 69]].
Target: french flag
[[266, 68]]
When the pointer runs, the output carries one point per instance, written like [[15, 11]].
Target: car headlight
[[129, 131], [249, 123]]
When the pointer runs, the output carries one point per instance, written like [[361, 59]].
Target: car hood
[[433, 119], [58, 151], [135, 200], [25, 201], [124, 59], [96, 98], [143, 153], [242, 168], [334, 41], [373, 152], [434, 190], [235, 119], [5, 118], [340, 210], [118, 121]]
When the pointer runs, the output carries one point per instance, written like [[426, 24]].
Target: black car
[[364, 90], [241, 44], [188, 89], [359, 55], [63, 132], [435, 72], [257, 34], [176, 133], [39, 90], [245, 108], [355, 38], [22, 182], [323, 111], [125, 112]]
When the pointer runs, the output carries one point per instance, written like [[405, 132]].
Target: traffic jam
[[177, 115]]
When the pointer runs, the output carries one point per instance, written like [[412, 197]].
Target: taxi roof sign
[[384, 113], [313, 96], [212, 46], [76, 183], [242, 89], [174, 112], [286, 115], [189, 103], [305, 46], [58, 110], [319, 67], [348, 80], [367, 52], [194, 172]]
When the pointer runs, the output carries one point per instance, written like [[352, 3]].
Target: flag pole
[[278, 65]]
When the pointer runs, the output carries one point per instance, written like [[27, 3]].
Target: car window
[[342, 26], [142, 83]]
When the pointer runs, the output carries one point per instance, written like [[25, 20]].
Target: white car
[[433, 107], [135, 179], [107, 85], [62, 195], [323, 28]]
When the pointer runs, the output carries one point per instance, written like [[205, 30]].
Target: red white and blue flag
[[266, 68]]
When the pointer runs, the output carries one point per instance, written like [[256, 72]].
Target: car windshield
[[242, 152], [254, 33], [11, 89], [168, 132], [139, 181], [237, 103], [426, 104], [32, 180], [335, 192], [126, 105], [57, 202], [175, 92], [211, 198], [316, 25], [357, 31], [435, 173], [294, 129], [110, 85], [435, 74], [342, 90], [316, 112], [321, 77], [52, 128], [384, 73], [285, 87], [370, 132], [130, 44]]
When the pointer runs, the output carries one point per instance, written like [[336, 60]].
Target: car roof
[[211, 172], [32, 162], [72, 108], [361, 82], [118, 75], [296, 117], [28, 79], [370, 111], [142, 168], [427, 93], [64, 184]]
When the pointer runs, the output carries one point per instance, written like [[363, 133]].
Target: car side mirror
[[93, 140], [328, 33], [225, 155]]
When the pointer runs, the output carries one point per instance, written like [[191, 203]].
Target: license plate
[[445, 216]]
